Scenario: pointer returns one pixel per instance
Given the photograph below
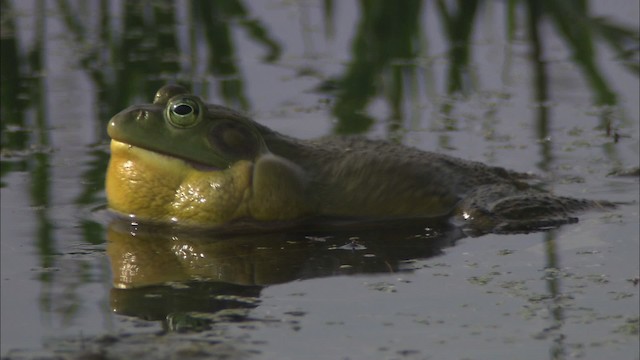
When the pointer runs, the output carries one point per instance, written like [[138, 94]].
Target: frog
[[179, 160]]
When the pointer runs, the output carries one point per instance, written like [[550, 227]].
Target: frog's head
[[181, 125], [181, 160]]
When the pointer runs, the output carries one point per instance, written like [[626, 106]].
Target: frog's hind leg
[[521, 213], [538, 211]]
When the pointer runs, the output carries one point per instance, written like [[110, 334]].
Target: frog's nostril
[[141, 115]]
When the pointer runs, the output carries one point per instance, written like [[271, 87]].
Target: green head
[[181, 125]]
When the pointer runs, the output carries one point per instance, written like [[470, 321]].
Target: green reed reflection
[[13, 136], [216, 19], [32, 144], [389, 44], [458, 24], [388, 52], [388, 34], [27, 146], [541, 83], [148, 49], [557, 350], [574, 24]]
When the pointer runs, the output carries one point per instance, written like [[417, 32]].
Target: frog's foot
[[480, 222], [523, 213]]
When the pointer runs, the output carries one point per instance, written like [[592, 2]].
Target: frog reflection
[[161, 272]]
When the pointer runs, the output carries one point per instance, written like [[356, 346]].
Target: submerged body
[[179, 160]]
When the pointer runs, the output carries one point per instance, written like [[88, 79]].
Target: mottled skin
[[179, 160]]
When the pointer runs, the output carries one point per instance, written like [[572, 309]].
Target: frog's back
[[431, 170], [355, 175], [367, 177]]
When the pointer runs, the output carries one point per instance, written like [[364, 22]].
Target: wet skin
[[179, 160]]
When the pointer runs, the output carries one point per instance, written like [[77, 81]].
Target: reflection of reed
[[144, 52], [38, 163], [556, 298], [388, 35], [217, 20], [458, 25], [540, 84], [579, 30], [11, 87], [576, 27]]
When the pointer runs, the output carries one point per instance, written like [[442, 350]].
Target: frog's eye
[[183, 112], [234, 139]]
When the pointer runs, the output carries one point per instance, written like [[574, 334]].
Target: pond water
[[531, 86]]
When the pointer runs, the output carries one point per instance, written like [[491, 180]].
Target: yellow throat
[[161, 188]]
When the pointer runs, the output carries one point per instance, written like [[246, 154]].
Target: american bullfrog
[[179, 160]]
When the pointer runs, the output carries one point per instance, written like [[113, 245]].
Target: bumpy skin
[[179, 160]]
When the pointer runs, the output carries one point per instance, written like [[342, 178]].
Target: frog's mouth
[[147, 153]]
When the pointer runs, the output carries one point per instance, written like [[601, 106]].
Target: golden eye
[[183, 112]]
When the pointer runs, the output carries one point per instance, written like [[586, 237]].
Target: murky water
[[473, 83]]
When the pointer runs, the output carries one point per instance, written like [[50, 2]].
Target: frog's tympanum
[[179, 160]]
